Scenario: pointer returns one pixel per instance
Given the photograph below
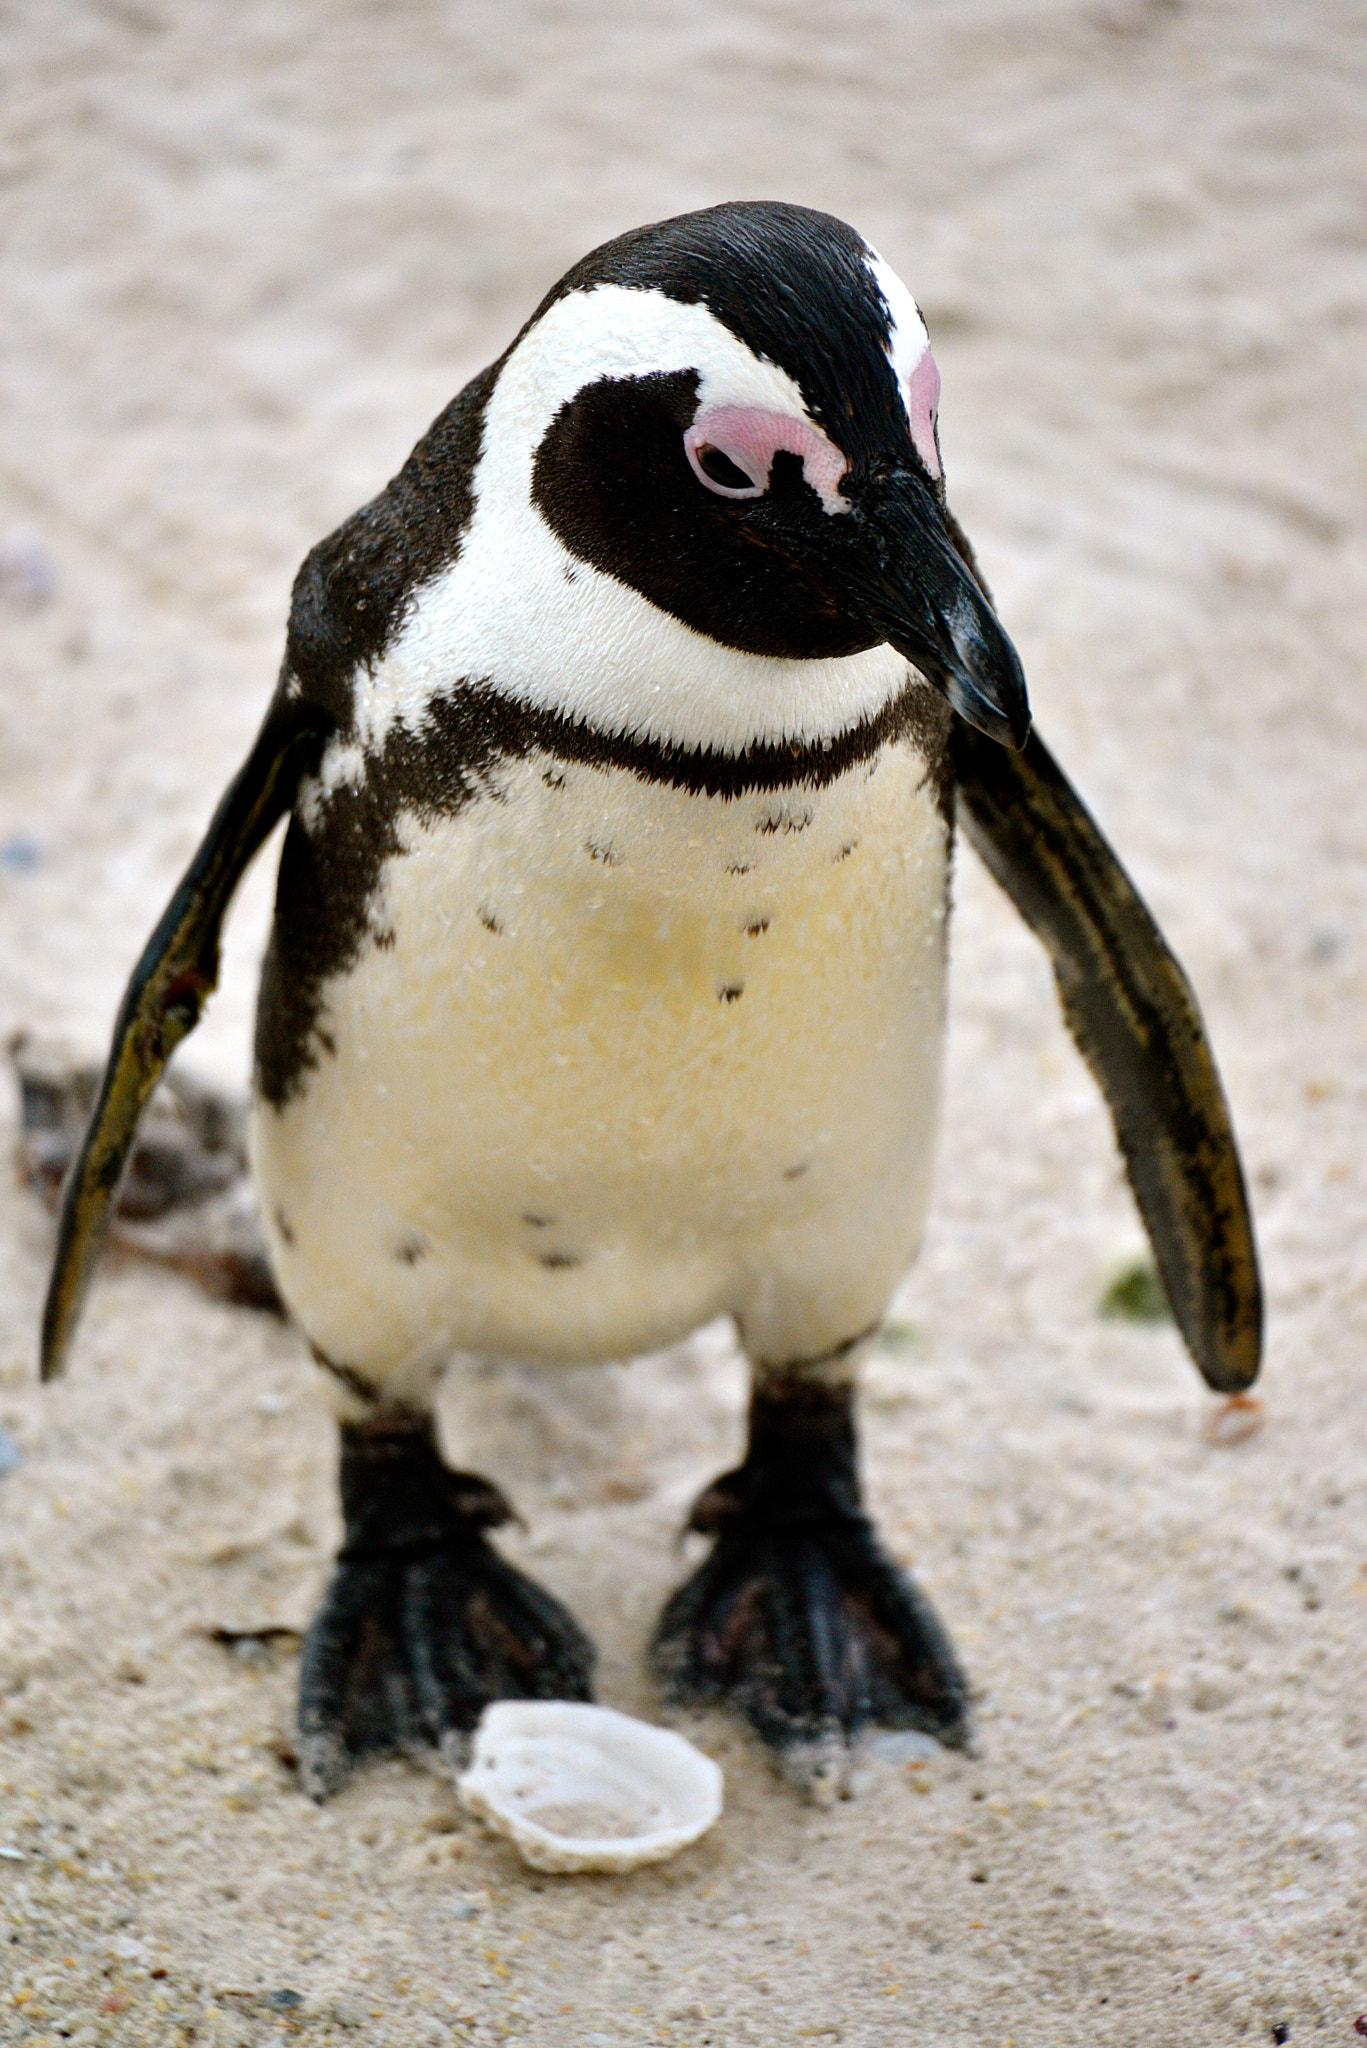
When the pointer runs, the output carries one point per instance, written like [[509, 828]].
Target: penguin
[[621, 740]]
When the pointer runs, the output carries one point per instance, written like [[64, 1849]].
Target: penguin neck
[[517, 616]]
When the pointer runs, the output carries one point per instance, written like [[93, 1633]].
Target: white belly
[[634, 1058]]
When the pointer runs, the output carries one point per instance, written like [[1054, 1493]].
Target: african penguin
[[620, 737]]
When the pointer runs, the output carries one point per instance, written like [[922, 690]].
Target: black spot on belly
[[784, 821], [796, 1172], [731, 992], [606, 854], [411, 1250], [385, 939], [559, 1262], [538, 1222], [552, 778], [284, 1226], [739, 867], [489, 921], [844, 852], [755, 927]]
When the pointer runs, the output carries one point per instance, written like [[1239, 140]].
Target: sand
[[249, 252]]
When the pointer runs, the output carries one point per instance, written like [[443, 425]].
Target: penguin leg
[[799, 1618], [424, 1623]]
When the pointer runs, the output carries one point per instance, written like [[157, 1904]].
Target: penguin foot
[[799, 1618], [424, 1623]]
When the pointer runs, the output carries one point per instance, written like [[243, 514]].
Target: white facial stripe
[[909, 340], [517, 610], [908, 345], [612, 331]]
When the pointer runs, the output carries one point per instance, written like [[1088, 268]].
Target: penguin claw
[[810, 1630], [424, 1622]]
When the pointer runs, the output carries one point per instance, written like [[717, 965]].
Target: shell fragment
[[585, 1788]]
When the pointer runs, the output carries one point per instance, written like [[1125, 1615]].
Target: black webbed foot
[[799, 1618], [424, 1623]]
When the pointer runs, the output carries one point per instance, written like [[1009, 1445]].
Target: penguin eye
[[719, 469], [731, 450], [730, 461]]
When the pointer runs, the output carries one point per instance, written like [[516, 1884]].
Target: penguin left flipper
[[1132, 1013], [799, 1618], [165, 996]]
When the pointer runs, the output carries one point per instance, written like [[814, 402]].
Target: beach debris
[[1135, 1294], [186, 1200], [252, 1646], [1234, 1421], [579, 1787]]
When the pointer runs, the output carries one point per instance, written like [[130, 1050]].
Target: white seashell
[[585, 1788]]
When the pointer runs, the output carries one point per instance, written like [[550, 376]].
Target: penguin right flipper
[[169, 987], [1131, 1010]]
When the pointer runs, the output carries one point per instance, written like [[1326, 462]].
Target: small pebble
[[902, 1746], [1234, 1421]]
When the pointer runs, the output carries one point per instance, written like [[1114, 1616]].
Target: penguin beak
[[898, 571]]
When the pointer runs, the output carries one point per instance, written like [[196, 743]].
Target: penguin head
[[733, 414]]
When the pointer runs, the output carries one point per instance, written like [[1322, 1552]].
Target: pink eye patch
[[731, 449], [923, 405]]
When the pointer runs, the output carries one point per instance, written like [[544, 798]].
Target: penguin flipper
[[1135, 1019], [162, 1004]]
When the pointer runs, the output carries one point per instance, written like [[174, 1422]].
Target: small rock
[[127, 1950], [902, 1746], [468, 1905], [1234, 1421], [11, 1457], [282, 2001]]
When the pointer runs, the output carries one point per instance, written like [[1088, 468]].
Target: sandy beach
[[247, 254]]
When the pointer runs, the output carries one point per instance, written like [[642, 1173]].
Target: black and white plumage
[[606, 986]]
